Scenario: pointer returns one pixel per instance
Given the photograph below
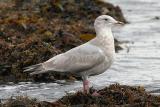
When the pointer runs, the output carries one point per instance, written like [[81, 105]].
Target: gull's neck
[[104, 32], [105, 40]]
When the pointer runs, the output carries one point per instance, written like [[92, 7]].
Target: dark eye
[[106, 19]]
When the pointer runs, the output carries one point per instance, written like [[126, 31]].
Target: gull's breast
[[107, 46]]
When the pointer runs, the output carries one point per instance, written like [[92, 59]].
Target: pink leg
[[86, 86]]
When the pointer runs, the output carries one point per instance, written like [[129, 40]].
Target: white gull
[[91, 58]]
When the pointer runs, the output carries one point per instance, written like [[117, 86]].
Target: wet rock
[[4, 69], [117, 45], [156, 18]]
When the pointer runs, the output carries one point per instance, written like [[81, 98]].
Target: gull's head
[[105, 21]]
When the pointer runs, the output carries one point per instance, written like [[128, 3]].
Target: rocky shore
[[113, 96], [32, 32]]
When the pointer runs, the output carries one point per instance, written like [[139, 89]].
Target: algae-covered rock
[[42, 30], [112, 96]]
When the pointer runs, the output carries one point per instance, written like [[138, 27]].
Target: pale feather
[[81, 58]]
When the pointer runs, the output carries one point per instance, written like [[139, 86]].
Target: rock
[[4, 69], [156, 18], [114, 95], [17, 104]]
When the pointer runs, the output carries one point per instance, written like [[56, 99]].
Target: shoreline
[[115, 95]]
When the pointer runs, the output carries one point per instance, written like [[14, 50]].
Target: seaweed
[[115, 95]]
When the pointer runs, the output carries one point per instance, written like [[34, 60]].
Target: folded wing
[[75, 60]]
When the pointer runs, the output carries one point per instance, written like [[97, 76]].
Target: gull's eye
[[106, 19]]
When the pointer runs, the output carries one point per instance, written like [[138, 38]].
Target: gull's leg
[[85, 84], [86, 88]]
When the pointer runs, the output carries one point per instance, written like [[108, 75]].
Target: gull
[[92, 58]]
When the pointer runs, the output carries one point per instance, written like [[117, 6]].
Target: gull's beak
[[119, 23]]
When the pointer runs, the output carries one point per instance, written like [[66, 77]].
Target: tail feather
[[32, 67], [35, 69], [38, 72]]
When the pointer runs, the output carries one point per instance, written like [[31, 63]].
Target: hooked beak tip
[[119, 23]]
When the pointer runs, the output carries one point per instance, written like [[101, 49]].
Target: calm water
[[137, 64]]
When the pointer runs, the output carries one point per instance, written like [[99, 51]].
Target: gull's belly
[[102, 67]]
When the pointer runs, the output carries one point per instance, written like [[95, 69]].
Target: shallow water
[[137, 64]]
